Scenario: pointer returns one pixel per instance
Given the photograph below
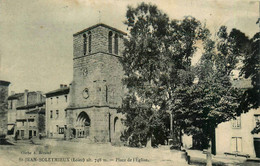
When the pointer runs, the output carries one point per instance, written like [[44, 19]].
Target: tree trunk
[[209, 155]]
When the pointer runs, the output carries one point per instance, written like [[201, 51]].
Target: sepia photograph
[[129, 82]]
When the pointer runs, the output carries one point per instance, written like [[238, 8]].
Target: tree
[[212, 100], [251, 69], [142, 61], [156, 49]]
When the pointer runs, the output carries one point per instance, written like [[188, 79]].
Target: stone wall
[[3, 106], [103, 123], [99, 42], [103, 81]]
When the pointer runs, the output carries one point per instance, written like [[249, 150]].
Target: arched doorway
[[82, 125]]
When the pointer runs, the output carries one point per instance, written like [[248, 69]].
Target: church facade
[[96, 90]]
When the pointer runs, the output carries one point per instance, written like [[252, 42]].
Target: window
[[236, 144], [66, 98], [57, 128], [116, 44], [236, 123], [57, 99], [34, 132], [110, 42], [84, 44], [31, 122], [51, 100], [22, 133], [51, 114], [89, 42], [61, 130], [57, 114]]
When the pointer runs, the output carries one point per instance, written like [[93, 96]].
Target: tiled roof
[[6, 83], [57, 92], [35, 111], [15, 96], [30, 106], [100, 24]]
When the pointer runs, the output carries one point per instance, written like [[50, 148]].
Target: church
[[95, 94]]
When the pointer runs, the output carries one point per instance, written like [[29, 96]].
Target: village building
[[30, 121], [4, 86], [234, 137], [56, 103], [26, 114]]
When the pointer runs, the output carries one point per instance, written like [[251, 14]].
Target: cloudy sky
[[36, 35]]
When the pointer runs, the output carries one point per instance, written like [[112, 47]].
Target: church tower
[[96, 90]]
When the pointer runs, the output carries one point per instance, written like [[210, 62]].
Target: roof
[[97, 25], [36, 111], [30, 106], [58, 92], [15, 96], [5, 83]]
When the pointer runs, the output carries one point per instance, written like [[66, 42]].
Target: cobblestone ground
[[79, 153]]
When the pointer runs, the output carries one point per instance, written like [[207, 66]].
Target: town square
[[129, 82]]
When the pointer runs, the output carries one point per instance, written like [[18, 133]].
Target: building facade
[[96, 89], [56, 103], [30, 121], [235, 136], [26, 114], [4, 85]]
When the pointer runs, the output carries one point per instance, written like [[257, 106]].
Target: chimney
[[26, 96]]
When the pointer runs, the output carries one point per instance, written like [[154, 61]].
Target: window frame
[[84, 44], [89, 42], [116, 44], [51, 114], [110, 42], [57, 114], [236, 123]]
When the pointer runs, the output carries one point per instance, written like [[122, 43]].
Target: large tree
[[156, 50], [212, 99]]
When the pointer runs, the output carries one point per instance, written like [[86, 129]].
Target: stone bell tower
[[96, 90]]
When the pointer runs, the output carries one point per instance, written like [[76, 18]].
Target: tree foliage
[[159, 75], [251, 69], [158, 51], [212, 99]]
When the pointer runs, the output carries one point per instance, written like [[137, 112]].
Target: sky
[[36, 35]]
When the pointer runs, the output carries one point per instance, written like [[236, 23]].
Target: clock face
[[85, 93]]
